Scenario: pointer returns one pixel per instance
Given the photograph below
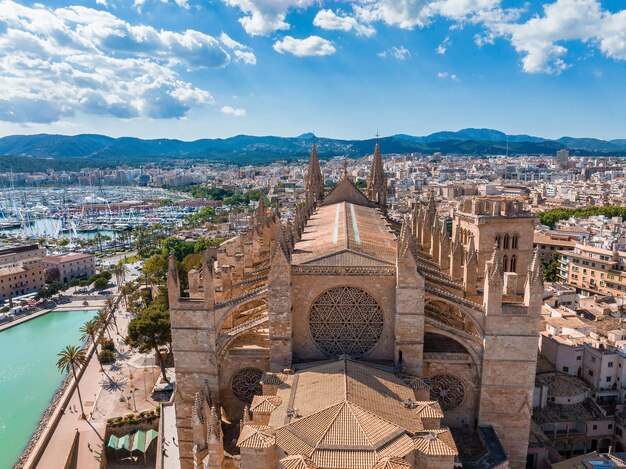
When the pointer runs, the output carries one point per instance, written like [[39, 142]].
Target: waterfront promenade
[[101, 399]]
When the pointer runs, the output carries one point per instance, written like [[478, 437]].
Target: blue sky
[[217, 68]]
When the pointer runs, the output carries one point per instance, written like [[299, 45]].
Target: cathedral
[[344, 338]]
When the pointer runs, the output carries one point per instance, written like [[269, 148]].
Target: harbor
[[78, 215]]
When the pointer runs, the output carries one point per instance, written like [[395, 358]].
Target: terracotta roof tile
[[265, 404], [392, 463], [297, 461], [256, 436], [429, 410], [436, 443], [360, 233]]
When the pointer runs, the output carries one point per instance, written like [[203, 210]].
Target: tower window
[[514, 241], [506, 241], [513, 265]]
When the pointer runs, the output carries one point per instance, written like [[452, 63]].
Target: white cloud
[[57, 62], [310, 46], [400, 53], [408, 14], [443, 47], [237, 112], [327, 19], [263, 17], [447, 76], [540, 39], [241, 52]]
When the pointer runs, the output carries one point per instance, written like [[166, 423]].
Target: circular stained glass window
[[246, 384], [346, 321], [448, 390]]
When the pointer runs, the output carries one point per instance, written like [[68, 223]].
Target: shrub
[[74, 282], [107, 344], [106, 274], [106, 356]]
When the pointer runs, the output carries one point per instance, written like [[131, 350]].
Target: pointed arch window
[[506, 241], [513, 265], [505, 263], [514, 241]]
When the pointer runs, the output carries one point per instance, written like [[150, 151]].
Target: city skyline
[[190, 70]]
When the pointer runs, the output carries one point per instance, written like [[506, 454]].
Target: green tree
[[101, 283], [552, 216], [179, 247], [155, 269], [70, 358], [149, 330], [551, 269]]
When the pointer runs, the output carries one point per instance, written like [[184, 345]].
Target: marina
[[78, 213]]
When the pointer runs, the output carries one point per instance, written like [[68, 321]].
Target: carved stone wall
[[306, 289]]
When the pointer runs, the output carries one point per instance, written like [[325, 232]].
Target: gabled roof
[[436, 443], [256, 436], [297, 461], [428, 410], [392, 463], [264, 404], [346, 234], [346, 191]]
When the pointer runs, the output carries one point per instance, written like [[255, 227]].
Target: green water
[[29, 376]]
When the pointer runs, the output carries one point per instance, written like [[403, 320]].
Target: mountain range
[[246, 149]]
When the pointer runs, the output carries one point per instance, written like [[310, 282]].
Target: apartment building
[[593, 270], [72, 265], [21, 270]]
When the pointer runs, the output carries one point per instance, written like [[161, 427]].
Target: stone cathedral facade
[[346, 339]]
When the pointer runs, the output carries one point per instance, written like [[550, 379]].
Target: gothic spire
[[535, 270], [495, 269], [377, 181], [314, 179]]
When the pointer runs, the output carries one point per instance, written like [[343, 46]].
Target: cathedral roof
[[346, 191], [345, 234], [346, 414], [256, 436]]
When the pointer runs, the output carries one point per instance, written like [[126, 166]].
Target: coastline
[[59, 400], [44, 431]]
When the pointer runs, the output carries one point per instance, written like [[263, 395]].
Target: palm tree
[[89, 331], [102, 319], [70, 358], [126, 290], [119, 270], [109, 306], [98, 238]]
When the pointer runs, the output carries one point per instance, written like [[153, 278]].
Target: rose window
[[346, 321], [447, 390], [246, 384]]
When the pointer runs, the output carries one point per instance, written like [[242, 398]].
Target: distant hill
[[99, 149]]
